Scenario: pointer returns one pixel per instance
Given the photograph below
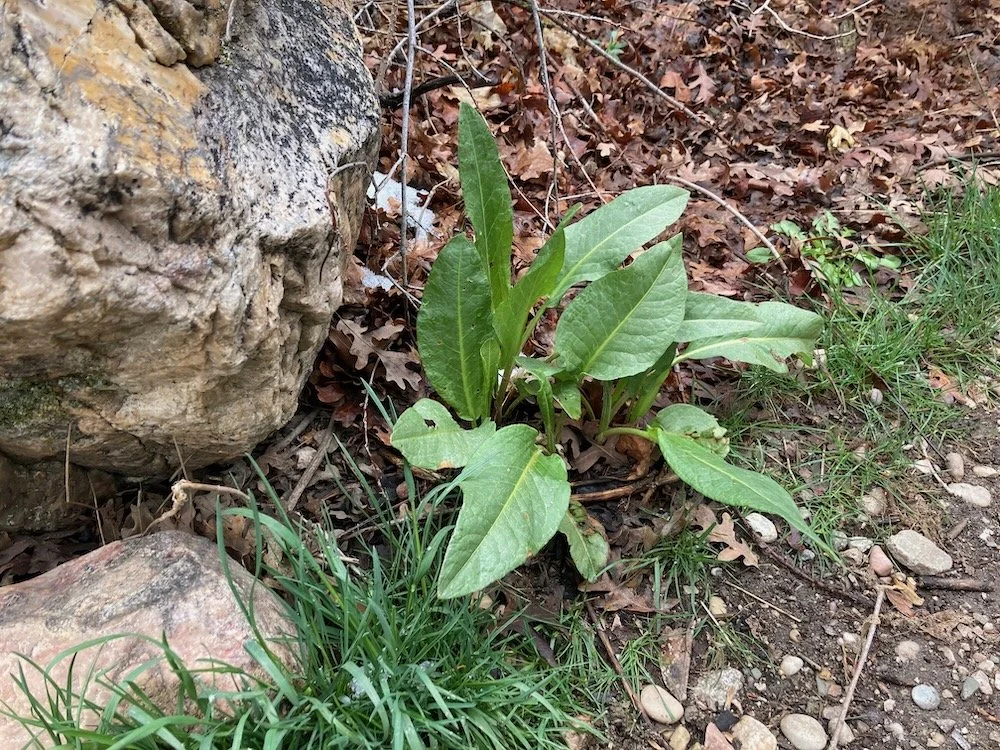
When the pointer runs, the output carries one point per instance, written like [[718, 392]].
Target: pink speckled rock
[[171, 584]]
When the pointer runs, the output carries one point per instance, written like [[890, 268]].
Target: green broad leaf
[[784, 330], [587, 544], [428, 437], [695, 423], [567, 394], [711, 316], [453, 325], [601, 241], [760, 255], [645, 386], [715, 479], [789, 229], [511, 315], [622, 323], [513, 498], [487, 197]]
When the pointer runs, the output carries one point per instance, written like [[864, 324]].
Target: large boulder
[[179, 189], [169, 585]]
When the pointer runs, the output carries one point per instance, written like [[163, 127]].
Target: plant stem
[[605, 434]]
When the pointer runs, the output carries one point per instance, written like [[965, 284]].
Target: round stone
[[790, 665], [763, 527], [926, 697], [879, 562], [804, 732], [907, 650], [956, 466], [717, 606], [874, 502], [660, 705], [753, 735]]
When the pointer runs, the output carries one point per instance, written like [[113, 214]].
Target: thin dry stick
[[852, 11], [982, 90], [181, 493], [554, 115], [766, 603], [296, 431], [300, 487], [735, 212], [69, 431], [615, 664], [672, 101], [858, 668], [404, 138], [781, 22]]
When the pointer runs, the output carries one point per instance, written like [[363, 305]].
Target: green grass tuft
[[386, 665]]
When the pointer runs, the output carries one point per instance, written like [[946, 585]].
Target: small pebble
[[853, 556], [862, 543], [896, 730], [970, 686], [907, 651], [752, 735], [985, 472], [715, 690], [889, 705], [874, 502], [987, 666], [717, 606], [918, 553], [660, 705], [983, 680], [790, 665], [850, 641], [680, 738], [845, 735], [973, 494], [956, 466], [926, 697], [803, 732], [840, 540], [794, 635], [935, 740], [879, 562], [763, 527]]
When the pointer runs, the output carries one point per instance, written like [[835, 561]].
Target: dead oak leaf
[[365, 344], [528, 163], [724, 532]]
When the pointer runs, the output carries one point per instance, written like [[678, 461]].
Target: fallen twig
[[625, 490], [404, 136], [322, 446], [858, 668], [735, 212], [615, 664], [954, 584], [766, 603], [774, 557], [671, 100]]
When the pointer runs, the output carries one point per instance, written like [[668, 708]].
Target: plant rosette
[[626, 328]]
